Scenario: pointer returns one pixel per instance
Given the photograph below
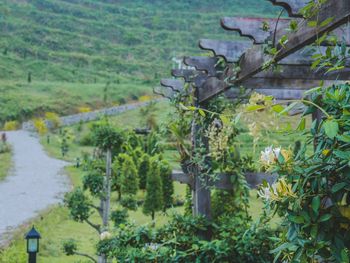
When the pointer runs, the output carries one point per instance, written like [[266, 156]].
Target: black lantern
[[32, 238]]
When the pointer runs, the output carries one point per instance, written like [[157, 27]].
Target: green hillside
[[65, 47]]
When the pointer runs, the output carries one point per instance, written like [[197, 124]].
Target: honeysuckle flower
[[269, 156], [277, 191], [105, 235]]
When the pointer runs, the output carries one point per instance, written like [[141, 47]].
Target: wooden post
[[201, 193]]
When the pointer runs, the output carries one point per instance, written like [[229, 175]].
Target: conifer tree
[[129, 176], [167, 183], [143, 170], [154, 190]]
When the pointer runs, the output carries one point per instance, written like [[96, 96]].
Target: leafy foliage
[[154, 189], [316, 214], [78, 205]]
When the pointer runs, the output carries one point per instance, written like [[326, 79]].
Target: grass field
[[56, 55], [5, 164]]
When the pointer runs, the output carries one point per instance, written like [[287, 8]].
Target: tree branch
[[94, 226], [99, 210], [85, 255]]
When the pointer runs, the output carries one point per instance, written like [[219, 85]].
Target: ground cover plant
[[5, 157]]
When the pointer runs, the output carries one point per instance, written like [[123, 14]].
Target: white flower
[[152, 246], [265, 193], [269, 156], [105, 235]]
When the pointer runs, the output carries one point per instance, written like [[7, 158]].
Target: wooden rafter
[[252, 28], [292, 6]]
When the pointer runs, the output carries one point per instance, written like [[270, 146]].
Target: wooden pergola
[[294, 58]]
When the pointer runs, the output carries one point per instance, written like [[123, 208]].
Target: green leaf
[[224, 120], [255, 107], [297, 219], [338, 187], [314, 230], [302, 124], [312, 23], [237, 118], [201, 112], [331, 128], [344, 256], [288, 108], [316, 202], [327, 21], [325, 218], [277, 108]]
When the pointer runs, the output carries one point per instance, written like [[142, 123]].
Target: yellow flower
[[277, 191]]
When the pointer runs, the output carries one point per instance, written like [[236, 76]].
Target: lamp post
[[32, 238]]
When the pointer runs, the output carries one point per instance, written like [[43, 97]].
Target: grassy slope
[[72, 48], [5, 164]]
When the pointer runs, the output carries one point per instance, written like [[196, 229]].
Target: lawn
[[5, 164]]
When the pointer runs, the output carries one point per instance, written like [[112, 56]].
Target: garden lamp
[[32, 238]]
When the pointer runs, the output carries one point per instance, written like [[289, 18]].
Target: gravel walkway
[[35, 182]]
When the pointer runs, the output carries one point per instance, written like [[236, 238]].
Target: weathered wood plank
[[206, 64], [292, 6], [254, 180], [254, 59], [280, 88], [165, 92], [187, 74], [231, 51], [175, 84], [298, 72], [252, 28]]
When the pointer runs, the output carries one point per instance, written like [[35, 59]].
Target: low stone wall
[[90, 116]]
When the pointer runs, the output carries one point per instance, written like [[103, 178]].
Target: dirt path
[[35, 182]]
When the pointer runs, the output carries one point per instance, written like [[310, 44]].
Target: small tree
[[154, 190], [129, 183], [167, 183], [143, 170]]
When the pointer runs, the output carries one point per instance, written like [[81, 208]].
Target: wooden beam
[[252, 28], [165, 92], [175, 84], [280, 88], [206, 64], [254, 59], [292, 6], [231, 51], [182, 178], [187, 74], [254, 180]]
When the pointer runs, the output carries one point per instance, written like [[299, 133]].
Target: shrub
[[54, 119], [11, 125], [84, 109], [40, 126]]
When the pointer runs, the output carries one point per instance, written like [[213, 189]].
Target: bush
[[54, 119], [11, 125], [40, 126], [119, 217], [234, 240], [86, 140]]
